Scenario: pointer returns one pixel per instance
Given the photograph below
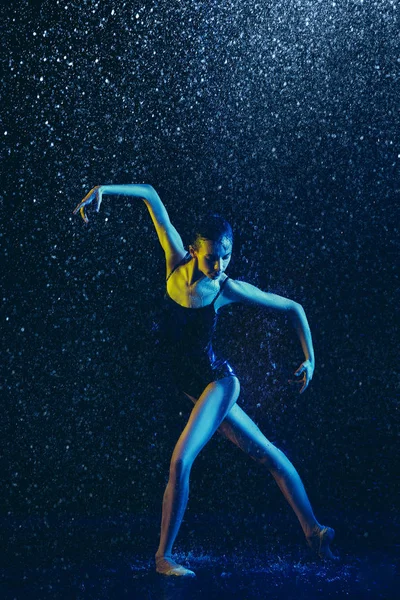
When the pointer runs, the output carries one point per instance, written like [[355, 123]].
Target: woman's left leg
[[242, 431]]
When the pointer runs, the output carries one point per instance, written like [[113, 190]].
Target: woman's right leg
[[208, 413]]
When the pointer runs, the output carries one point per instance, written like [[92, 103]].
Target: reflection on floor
[[112, 557]]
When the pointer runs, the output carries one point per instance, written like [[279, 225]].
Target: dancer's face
[[212, 257]]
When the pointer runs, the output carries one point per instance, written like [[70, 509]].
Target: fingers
[[304, 381], [83, 214], [81, 209], [90, 195], [77, 208], [305, 385], [87, 200]]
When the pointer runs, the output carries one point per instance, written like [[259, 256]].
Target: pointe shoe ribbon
[[319, 542]]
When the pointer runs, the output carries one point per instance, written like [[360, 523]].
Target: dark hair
[[211, 227]]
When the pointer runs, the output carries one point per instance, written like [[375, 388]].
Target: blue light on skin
[[209, 261]]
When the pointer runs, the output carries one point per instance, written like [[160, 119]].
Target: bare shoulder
[[234, 290], [247, 293], [230, 292]]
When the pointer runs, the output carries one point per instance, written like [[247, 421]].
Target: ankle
[[313, 531], [162, 556]]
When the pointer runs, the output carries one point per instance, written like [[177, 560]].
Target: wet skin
[[197, 280]]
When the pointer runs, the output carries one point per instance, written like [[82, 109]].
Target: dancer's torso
[[191, 328], [187, 332]]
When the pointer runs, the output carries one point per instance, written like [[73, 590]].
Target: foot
[[319, 541], [167, 566]]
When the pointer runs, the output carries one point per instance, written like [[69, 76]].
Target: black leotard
[[189, 333]]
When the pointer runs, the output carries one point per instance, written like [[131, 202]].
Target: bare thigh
[[209, 411], [238, 427]]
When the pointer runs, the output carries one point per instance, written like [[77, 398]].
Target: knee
[[179, 468], [275, 461], [233, 385], [263, 459], [229, 387]]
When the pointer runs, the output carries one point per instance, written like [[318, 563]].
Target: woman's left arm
[[246, 293], [299, 321]]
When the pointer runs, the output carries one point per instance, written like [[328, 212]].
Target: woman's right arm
[[168, 236]]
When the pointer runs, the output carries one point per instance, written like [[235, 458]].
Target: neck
[[194, 273]]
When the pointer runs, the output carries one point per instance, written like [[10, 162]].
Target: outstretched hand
[[95, 195], [306, 369]]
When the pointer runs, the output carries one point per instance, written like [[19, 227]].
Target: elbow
[[295, 309], [149, 193], [147, 188]]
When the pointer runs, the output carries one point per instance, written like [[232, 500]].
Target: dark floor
[[112, 557]]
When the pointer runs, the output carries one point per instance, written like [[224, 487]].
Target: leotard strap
[[221, 287], [181, 262]]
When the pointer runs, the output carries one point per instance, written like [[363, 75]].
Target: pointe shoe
[[168, 567], [319, 542]]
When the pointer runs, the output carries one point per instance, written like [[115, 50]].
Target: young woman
[[197, 287]]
